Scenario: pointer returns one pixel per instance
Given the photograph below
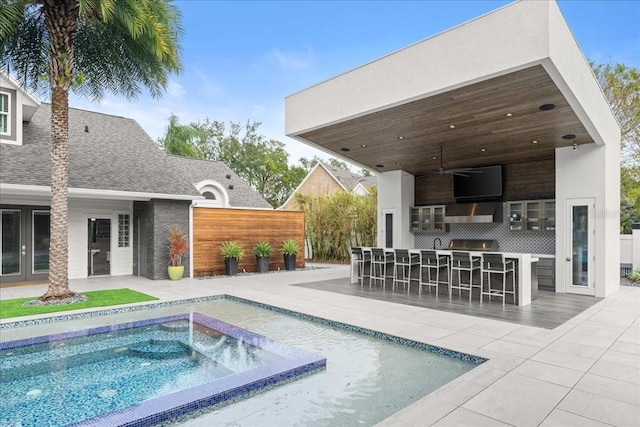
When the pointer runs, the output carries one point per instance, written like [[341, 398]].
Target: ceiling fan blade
[[464, 170]]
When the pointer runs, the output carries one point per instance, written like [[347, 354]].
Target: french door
[[579, 247], [24, 244]]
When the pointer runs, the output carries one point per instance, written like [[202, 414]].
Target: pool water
[[368, 377], [74, 377]]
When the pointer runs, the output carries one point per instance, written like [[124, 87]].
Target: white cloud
[[292, 61], [175, 89]]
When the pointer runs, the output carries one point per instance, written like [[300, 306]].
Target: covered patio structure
[[510, 88]]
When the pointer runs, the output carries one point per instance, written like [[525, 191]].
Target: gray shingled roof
[[347, 178], [242, 195], [115, 154]]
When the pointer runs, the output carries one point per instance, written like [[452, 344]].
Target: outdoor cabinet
[[428, 219], [547, 273], [532, 215]]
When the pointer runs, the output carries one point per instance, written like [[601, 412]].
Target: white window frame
[[7, 114]]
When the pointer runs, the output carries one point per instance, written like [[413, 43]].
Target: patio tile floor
[[584, 371]]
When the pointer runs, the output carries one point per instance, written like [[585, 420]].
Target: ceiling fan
[[458, 171]]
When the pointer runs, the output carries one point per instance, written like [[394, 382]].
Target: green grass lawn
[[14, 307]]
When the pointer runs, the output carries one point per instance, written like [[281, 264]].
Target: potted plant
[[289, 250], [178, 246], [262, 251], [232, 253]]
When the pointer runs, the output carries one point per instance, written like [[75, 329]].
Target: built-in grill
[[487, 245]]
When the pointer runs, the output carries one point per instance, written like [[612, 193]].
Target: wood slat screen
[[212, 227]]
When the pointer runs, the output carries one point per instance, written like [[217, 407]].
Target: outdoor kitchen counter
[[526, 265]]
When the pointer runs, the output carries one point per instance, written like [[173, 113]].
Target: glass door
[[99, 248], [12, 246], [39, 245], [580, 246]]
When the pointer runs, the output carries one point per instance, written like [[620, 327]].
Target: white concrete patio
[[585, 372]]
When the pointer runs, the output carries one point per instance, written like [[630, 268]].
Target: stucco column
[[396, 194]]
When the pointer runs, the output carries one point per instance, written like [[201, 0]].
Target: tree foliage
[[335, 223], [621, 86], [262, 162]]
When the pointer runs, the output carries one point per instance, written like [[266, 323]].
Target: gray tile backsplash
[[508, 241]]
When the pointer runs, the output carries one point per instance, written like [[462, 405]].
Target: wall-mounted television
[[479, 183]]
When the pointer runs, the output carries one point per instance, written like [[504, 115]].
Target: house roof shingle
[[111, 153]]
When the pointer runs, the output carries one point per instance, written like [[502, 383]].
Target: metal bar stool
[[463, 261], [430, 266], [360, 260], [493, 264], [378, 266], [389, 264], [403, 264]]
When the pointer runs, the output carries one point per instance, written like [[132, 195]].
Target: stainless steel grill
[[487, 245]]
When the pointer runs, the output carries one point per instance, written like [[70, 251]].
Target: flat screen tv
[[481, 183]]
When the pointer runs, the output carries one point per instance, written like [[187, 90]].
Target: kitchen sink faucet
[[439, 243]]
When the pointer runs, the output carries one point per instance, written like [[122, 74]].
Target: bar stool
[[360, 259], [404, 263], [378, 266], [463, 261], [389, 264], [431, 263], [493, 264]]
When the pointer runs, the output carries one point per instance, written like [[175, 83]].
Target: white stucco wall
[[80, 211], [590, 172], [396, 192]]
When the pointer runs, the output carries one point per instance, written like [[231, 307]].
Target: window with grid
[[4, 113], [123, 231]]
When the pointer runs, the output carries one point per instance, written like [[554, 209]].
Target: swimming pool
[[368, 375]]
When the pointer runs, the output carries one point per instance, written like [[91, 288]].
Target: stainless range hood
[[472, 213]]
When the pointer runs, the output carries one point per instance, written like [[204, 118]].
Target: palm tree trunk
[[61, 17]]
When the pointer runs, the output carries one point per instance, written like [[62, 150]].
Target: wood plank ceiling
[[408, 136]]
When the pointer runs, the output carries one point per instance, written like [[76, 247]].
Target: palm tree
[[90, 46]]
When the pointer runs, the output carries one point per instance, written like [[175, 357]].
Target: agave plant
[[231, 249], [262, 249]]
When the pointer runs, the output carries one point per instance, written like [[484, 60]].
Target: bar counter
[[526, 269]]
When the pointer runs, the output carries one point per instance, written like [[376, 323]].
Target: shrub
[[178, 245], [290, 247], [231, 250], [262, 249]]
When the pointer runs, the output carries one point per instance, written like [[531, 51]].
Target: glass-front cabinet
[[532, 215], [428, 219]]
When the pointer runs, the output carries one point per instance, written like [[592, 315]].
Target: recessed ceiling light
[[398, 163], [509, 115], [452, 126], [535, 141], [401, 138], [483, 149], [569, 136], [547, 107], [379, 166], [344, 149], [434, 157], [363, 145]]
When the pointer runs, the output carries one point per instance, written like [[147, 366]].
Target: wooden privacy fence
[[214, 226]]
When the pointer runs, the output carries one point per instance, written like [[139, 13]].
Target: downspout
[[191, 206]]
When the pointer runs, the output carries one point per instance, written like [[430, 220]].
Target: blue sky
[[241, 59]]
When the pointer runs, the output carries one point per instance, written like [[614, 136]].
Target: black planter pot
[[262, 263], [289, 262], [231, 266]]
